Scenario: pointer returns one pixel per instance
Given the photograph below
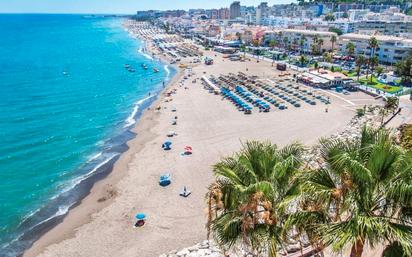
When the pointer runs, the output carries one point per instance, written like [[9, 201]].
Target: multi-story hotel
[[391, 49], [295, 35]]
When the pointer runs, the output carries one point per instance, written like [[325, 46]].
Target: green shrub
[[360, 112]]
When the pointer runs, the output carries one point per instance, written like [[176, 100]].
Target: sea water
[[67, 103]]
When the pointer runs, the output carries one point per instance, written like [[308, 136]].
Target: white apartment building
[[391, 49], [294, 35], [357, 14]]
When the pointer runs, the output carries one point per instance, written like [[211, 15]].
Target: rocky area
[[204, 249]]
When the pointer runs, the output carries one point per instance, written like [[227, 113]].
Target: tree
[[244, 202], [391, 103], [336, 30], [373, 61], [314, 45], [373, 45], [272, 43], [295, 43], [285, 42], [350, 48], [320, 44], [239, 36], [333, 40], [360, 61], [316, 66], [302, 60], [328, 57], [302, 42], [379, 71], [329, 17], [243, 49], [361, 194], [404, 69]]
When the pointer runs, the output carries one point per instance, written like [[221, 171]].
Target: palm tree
[[320, 44], [314, 45], [244, 202], [333, 40], [379, 71], [361, 194], [373, 61], [373, 45], [302, 43], [360, 61], [243, 49], [350, 48], [295, 43], [285, 42], [272, 43], [302, 60]]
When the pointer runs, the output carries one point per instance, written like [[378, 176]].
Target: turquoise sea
[[66, 106]]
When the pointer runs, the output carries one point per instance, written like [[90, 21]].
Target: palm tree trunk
[[357, 248]]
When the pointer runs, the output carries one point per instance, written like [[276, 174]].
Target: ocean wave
[[94, 157], [166, 67], [79, 179], [145, 54], [131, 119]]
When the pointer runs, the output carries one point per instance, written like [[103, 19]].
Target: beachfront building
[[322, 78], [235, 10], [391, 49], [295, 35]]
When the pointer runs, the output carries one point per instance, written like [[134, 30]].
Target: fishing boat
[[145, 66], [127, 66]]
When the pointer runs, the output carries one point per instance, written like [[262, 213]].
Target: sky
[[115, 6]]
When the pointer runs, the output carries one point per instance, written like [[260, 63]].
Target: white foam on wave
[[131, 119], [145, 54], [78, 180], [61, 211], [166, 67], [94, 157]]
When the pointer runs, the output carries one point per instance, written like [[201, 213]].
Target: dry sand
[[214, 128]]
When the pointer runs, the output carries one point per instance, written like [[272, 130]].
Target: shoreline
[[214, 129], [81, 212], [99, 187]]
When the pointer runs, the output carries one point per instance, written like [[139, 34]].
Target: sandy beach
[[102, 224]]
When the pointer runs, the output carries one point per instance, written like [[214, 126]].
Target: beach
[[102, 224]]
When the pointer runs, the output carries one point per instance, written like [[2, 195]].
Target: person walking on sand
[[326, 110]]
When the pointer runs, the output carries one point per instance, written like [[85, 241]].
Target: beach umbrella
[[140, 216]]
